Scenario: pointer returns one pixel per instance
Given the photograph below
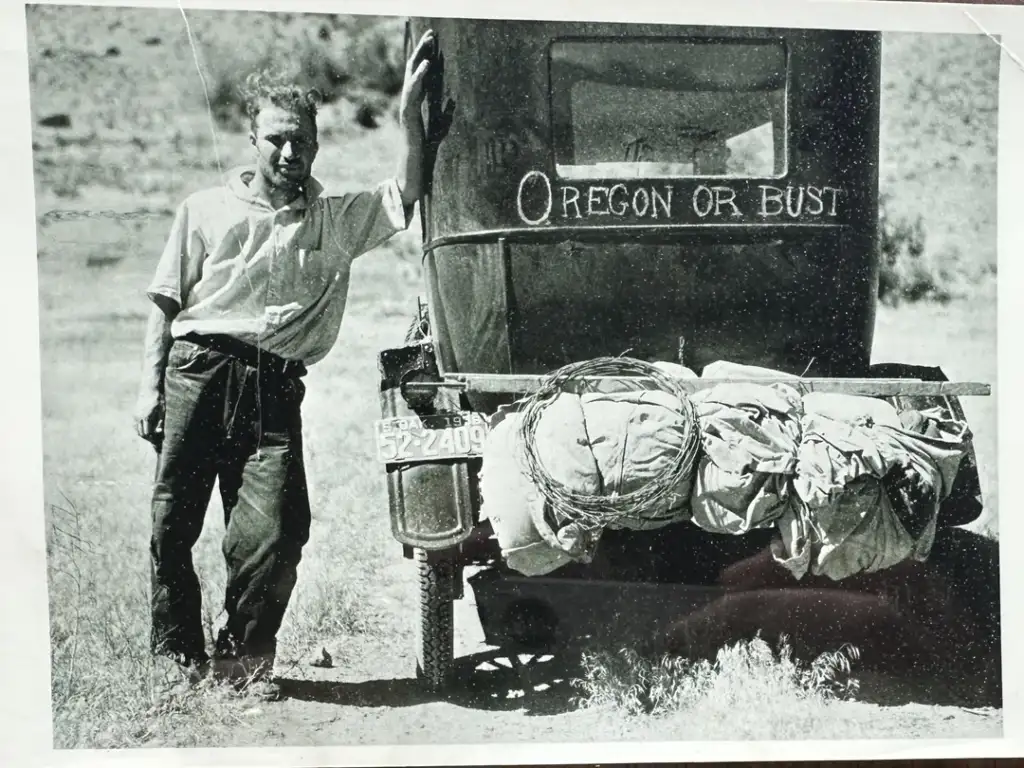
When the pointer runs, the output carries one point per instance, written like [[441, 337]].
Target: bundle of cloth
[[608, 442], [849, 484]]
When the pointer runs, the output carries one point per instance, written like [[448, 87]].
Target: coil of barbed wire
[[596, 511]]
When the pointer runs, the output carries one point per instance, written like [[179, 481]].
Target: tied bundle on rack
[[750, 436], [582, 457], [849, 483], [870, 482]]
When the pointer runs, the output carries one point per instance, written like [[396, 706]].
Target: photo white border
[[25, 713]]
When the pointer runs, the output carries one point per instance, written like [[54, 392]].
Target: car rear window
[[669, 108]]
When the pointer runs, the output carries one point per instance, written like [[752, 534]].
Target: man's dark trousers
[[235, 419]]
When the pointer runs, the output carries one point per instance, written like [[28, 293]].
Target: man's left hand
[[416, 69]]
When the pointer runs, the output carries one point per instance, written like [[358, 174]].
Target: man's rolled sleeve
[[180, 263], [359, 222]]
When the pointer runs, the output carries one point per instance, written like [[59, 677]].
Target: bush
[[906, 273]]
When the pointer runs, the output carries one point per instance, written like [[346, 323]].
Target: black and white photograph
[[432, 379]]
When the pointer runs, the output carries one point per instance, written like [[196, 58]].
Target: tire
[[435, 642]]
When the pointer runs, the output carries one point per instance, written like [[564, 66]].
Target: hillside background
[[120, 119]]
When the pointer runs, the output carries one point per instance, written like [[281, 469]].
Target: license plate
[[403, 439]]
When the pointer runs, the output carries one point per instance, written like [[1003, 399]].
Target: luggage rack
[[423, 430], [527, 384]]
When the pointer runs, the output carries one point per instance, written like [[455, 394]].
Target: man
[[250, 289]]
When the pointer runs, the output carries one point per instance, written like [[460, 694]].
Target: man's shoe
[[236, 669], [264, 690], [251, 675]]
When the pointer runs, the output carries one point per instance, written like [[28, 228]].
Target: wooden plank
[[524, 384]]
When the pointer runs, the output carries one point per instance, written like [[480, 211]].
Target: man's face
[[286, 146]]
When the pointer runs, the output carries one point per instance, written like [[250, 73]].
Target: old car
[[668, 193]]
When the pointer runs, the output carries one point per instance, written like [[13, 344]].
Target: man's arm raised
[[411, 164]]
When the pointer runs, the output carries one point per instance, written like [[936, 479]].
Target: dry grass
[[750, 692], [743, 677]]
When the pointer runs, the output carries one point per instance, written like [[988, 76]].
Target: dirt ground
[[375, 700]]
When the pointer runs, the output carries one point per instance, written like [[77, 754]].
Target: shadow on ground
[[895, 692], [536, 684]]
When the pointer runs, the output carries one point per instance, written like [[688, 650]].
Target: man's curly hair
[[273, 87]]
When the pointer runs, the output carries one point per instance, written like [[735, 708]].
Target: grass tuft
[[747, 674]]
